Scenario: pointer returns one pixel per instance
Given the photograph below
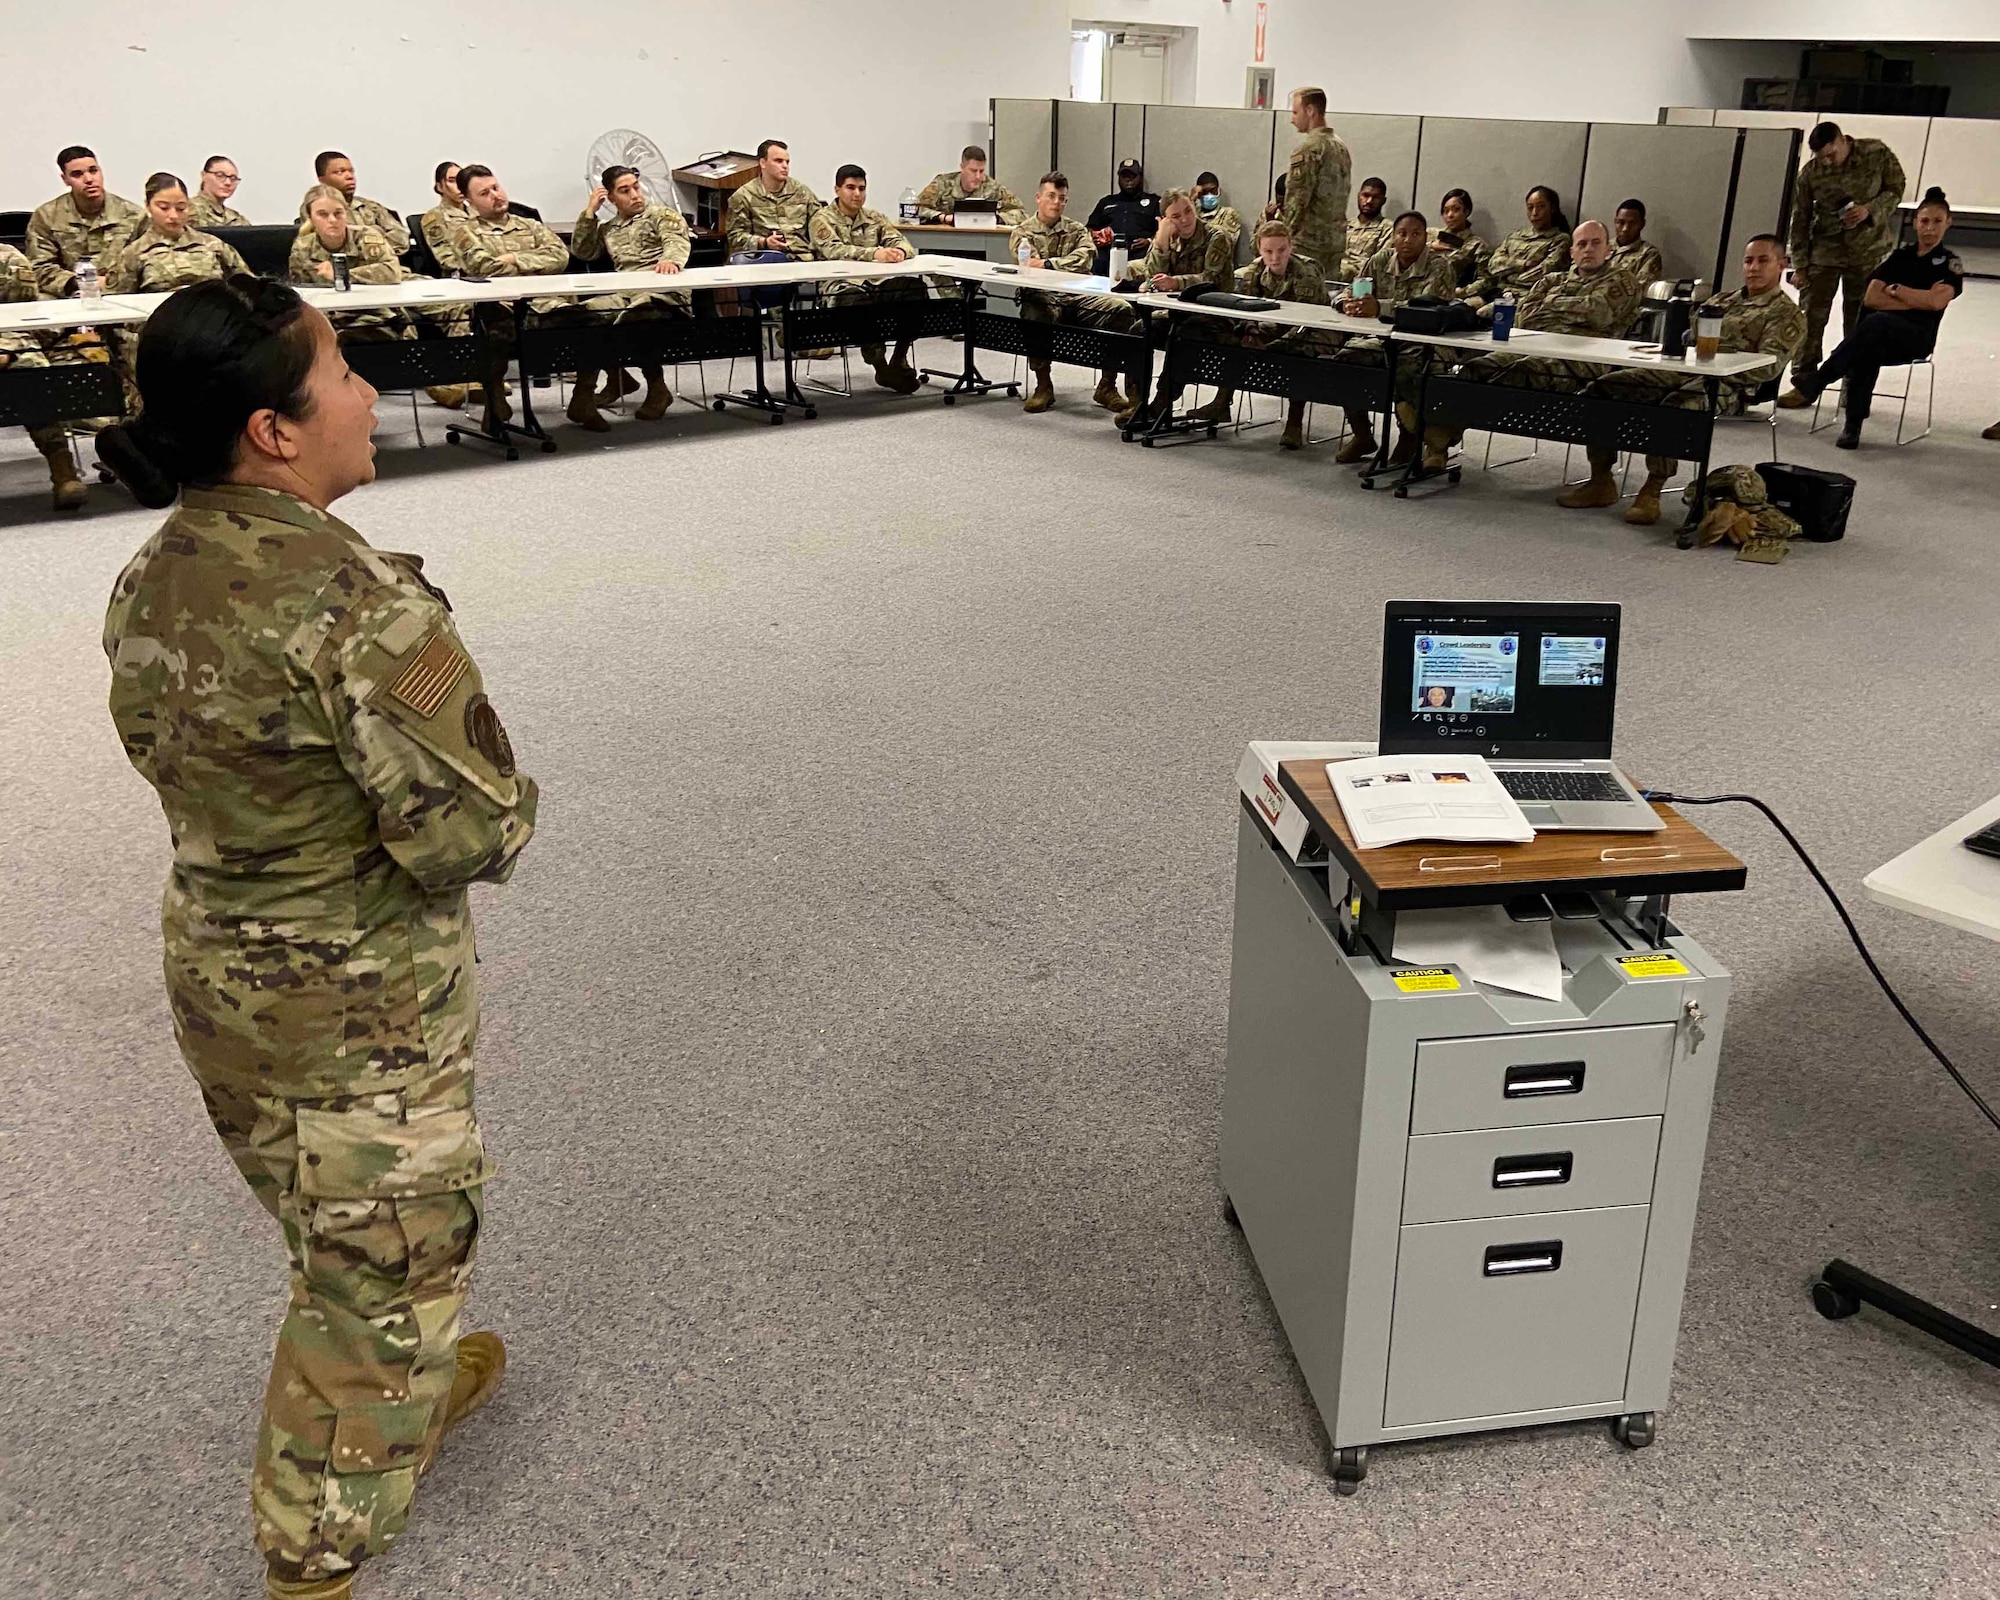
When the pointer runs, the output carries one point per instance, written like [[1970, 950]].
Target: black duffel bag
[[1818, 501], [1428, 314]]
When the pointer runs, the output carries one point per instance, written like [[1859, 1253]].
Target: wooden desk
[[946, 238], [1680, 860]]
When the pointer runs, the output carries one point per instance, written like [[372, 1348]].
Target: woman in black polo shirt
[[1905, 304]]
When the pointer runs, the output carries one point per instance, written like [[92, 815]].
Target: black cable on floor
[[1846, 922]]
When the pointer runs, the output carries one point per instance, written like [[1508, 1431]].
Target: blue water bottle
[[1503, 319]]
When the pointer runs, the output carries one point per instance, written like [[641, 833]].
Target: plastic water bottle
[[89, 286], [908, 205], [1503, 319], [1024, 253], [1121, 258], [341, 280]]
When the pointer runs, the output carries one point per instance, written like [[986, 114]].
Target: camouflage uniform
[[333, 777], [1066, 246], [944, 192], [205, 211], [1642, 261], [437, 225], [1520, 262], [1827, 256], [1226, 221], [480, 244], [154, 264], [1316, 185], [838, 237], [638, 244], [1204, 256], [369, 260], [1768, 324], [1468, 262], [1302, 283], [755, 213], [378, 216], [1363, 240], [41, 347], [59, 236], [1395, 283]]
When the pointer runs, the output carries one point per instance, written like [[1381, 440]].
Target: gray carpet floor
[[854, 1032]]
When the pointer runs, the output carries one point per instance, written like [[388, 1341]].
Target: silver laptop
[[1528, 685]]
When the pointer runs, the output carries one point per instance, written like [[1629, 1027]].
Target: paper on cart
[[1257, 778], [1486, 944]]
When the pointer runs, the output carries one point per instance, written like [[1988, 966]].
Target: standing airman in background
[[1844, 222], [330, 166], [1630, 250], [210, 207], [942, 194], [85, 221], [42, 349], [768, 215], [848, 230], [1369, 231], [438, 222], [642, 236], [1222, 219], [1316, 182], [1062, 244]]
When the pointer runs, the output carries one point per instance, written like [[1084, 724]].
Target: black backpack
[[1818, 501]]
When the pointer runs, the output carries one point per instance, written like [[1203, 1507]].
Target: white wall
[[1223, 39], [522, 85]]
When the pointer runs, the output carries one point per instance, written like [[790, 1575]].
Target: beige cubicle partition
[[1763, 193], [1383, 147], [1499, 161], [1083, 149], [1022, 144], [1128, 139], [1681, 174], [1183, 141]]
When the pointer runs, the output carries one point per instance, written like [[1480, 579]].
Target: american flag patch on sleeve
[[426, 683]]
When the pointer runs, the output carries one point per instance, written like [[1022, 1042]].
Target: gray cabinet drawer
[[1514, 1314], [1515, 1080], [1507, 1172]]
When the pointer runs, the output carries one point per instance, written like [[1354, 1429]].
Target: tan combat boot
[[582, 409], [449, 395], [70, 492], [1043, 395], [1598, 490], [493, 402], [1795, 399], [617, 384], [1645, 508], [1360, 443], [908, 379], [1294, 436], [1106, 394], [1437, 449], [658, 396], [1220, 409]]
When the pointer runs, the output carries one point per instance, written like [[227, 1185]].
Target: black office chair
[[14, 227], [266, 248]]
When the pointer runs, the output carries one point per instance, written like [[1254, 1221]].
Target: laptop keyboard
[[1551, 785]]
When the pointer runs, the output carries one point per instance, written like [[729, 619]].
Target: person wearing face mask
[[1130, 212], [333, 776], [1221, 219], [1464, 253], [1757, 319], [1903, 308], [169, 252], [1369, 231], [1526, 255]]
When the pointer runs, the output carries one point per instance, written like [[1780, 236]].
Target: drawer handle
[[1527, 1172], [1511, 1260], [1549, 1077]]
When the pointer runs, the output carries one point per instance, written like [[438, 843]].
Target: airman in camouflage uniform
[[851, 230], [1184, 251], [1062, 244], [1761, 320], [41, 349], [369, 260], [1518, 263], [205, 211], [1280, 272], [156, 263], [757, 212], [1317, 181], [1369, 233], [1466, 261], [60, 235], [333, 777], [1395, 280], [1827, 254], [1641, 261], [642, 236], [938, 198], [437, 226], [372, 212], [1591, 298]]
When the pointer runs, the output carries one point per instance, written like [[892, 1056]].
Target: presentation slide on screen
[[1567, 662], [1466, 672]]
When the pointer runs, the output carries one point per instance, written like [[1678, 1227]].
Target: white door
[[1138, 72]]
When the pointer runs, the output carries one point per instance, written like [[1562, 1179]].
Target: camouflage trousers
[[388, 323], [380, 1199], [21, 352], [1107, 311], [851, 293]]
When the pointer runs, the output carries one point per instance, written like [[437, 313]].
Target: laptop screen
[[1500, 678]]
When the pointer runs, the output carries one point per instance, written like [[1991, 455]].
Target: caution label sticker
[[1425, 980], [1654, 966]]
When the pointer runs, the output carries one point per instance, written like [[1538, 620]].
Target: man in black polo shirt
[[1901, 312], [1130, 212]]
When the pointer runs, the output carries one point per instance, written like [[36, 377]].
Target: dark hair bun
[[1934, 196], [129, 450]]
